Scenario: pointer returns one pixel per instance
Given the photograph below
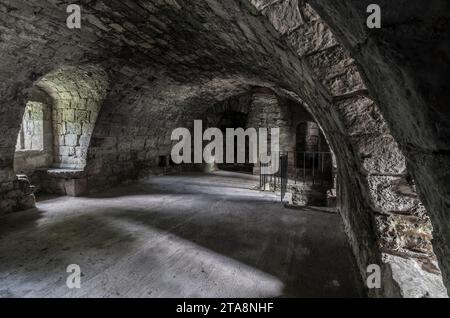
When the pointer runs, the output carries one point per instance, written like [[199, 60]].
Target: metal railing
[[312, 168], [279, 180]]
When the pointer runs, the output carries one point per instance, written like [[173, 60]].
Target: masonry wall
[[266, 111], [16, 195]]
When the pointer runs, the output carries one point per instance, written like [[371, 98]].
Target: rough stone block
[[82, 116], [71, 140], [68, 115], [73, 128]]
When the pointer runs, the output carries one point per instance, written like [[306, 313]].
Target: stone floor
[[177, 236]]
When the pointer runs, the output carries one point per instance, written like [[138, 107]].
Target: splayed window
[[31, 136], [35, 141]]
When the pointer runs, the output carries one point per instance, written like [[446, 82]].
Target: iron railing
[[312, 168], [279, 180]]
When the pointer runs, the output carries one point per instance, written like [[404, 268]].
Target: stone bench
[[69, 182]]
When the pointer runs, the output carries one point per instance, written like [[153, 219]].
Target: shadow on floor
[[307, 251], [317, 263]]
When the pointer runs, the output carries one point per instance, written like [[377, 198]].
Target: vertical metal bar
[[296, 167], [314, 168], [277, 174], [260, 176], [321, 169], [284, 172], [304, 167], [281, 173]]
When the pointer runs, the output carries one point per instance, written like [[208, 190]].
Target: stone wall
[[266, 111], [16, 195]]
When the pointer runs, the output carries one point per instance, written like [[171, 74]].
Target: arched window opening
[[31, 136], [34, 148]]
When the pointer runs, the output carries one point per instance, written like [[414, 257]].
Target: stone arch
[[77, 94], [71, 98], [395, 63], [237, 104], [262, 108], [382, 162], [127, 144]]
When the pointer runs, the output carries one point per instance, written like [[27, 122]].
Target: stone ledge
[[61, 181], [414, 280], [65, 173]]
